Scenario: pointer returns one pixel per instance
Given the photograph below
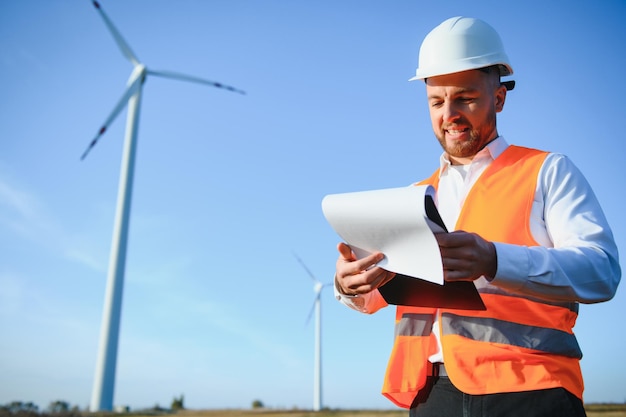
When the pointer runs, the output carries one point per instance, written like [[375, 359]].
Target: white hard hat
[[461, 44]]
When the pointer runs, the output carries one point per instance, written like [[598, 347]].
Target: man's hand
[[359, 276], [466, 256]]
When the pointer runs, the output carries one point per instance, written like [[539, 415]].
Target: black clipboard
[[410, 291]]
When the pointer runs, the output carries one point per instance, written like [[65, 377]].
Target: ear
[[500, 98]]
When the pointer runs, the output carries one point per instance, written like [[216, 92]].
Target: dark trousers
[[441, 399]]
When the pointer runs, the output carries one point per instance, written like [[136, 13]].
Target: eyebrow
[[460, 91]]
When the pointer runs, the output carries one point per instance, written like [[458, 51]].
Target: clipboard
[[409, 291]]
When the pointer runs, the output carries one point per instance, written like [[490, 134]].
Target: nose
[[450, 112]]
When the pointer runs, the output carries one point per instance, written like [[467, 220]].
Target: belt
[[439, 369]]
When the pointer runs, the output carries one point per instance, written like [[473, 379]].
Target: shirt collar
[[492, 150]]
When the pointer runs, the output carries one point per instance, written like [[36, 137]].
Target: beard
[[462, 149], [478, 138]]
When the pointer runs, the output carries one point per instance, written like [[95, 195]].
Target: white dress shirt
[[577, 260]]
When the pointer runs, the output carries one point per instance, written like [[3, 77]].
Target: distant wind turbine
[[104, 381], [317, 307]]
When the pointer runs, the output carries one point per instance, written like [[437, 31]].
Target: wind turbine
[[317, 307], [104, 381]]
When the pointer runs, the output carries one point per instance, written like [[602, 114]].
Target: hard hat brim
[[509, 84]]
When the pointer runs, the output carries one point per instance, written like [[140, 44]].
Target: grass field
[[593, 410]]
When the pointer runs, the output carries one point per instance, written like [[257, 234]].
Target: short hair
[[497, 70]]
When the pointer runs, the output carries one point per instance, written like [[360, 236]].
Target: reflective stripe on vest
[[413, 324], [503, 332], [519, 343]]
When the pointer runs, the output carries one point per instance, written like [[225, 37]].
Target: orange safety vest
[[519, 343]]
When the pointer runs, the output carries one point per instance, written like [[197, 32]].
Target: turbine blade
[[308, 271], [93, 142], [128, 53], [308, 317], [190, 78], [130, 90]]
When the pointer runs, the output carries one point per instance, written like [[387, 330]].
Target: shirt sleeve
[[365, 303], [580, 262]]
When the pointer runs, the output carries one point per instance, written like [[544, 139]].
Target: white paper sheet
[[392, 221]]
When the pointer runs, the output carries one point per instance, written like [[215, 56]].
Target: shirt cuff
[[368, 303], [355, 302], [513, 266]]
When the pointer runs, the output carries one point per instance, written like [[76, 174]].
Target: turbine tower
[[317, 307], [104, 380]]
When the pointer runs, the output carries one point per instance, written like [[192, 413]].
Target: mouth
[[456, 131]]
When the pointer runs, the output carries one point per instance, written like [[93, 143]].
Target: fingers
[[466, 256], [345, 252], [359, 276], [347, 264], [364, 282]]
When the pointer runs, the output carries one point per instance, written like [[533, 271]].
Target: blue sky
[[228, 187]]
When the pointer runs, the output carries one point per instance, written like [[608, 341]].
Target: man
[[527, 230]]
